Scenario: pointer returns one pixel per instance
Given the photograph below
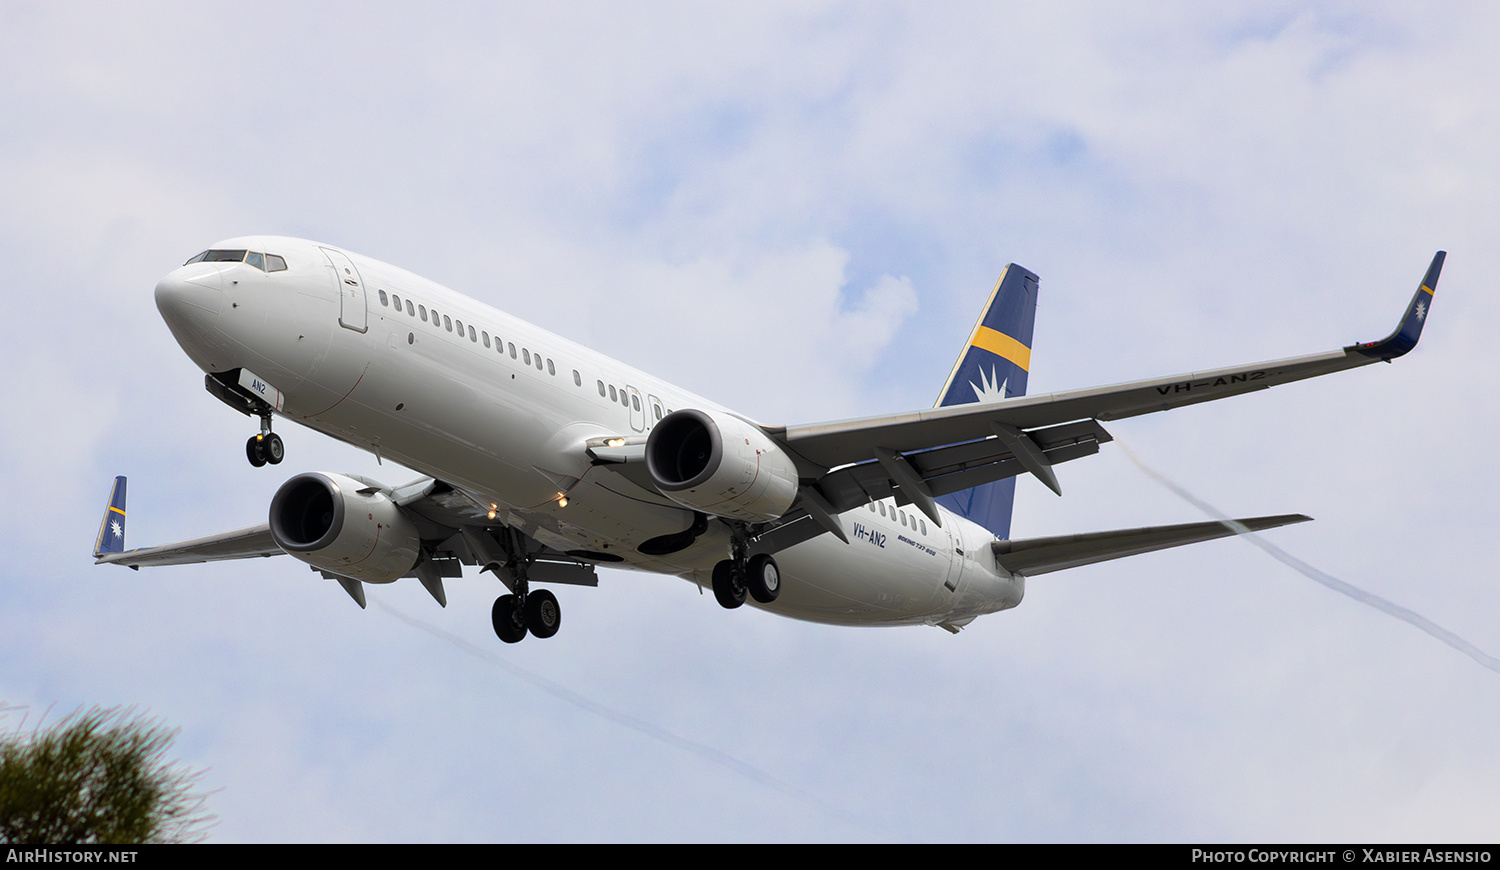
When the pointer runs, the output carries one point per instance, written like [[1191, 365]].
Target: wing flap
[[1034, 556], [956, 467]]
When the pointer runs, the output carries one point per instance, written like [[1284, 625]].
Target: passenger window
[[448, 323], [460, 325], [475, 338], [550, 370], [383, 300], [512, 350], [397, 300], [612, 395], [538, 362], [635, 402], [924, 526], [275, 263], [256, 260], [486, 337], [577, 378], [423, 310], [882, 508], [408, 309], [624, 399], [601, 388], [525, 356], [656, 410]]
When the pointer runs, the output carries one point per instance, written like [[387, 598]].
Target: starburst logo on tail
[[988, 392]]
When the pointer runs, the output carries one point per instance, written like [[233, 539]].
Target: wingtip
[[1409, 330], [111, 537]]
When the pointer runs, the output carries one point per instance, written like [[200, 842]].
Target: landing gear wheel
[[763, 578], [255, 452], [728, 589], [543, 615], [510, 626], [272, 448]]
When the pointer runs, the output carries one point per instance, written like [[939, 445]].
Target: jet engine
[[721, 465], [344, 526]]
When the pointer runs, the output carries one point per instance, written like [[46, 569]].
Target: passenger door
[[351, 291]]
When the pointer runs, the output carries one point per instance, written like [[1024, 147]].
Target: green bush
[[97, 776]]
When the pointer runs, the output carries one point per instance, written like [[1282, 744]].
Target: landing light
[[562, 500], [615, 442]]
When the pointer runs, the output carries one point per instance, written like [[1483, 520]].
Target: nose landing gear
[[265, 447]]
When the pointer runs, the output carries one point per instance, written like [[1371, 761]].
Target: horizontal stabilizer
[[1034, 556]]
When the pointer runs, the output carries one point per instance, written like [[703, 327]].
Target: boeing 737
[[543, 459]]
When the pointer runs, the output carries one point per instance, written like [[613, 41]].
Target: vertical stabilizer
[[112, 529], [992, 367]]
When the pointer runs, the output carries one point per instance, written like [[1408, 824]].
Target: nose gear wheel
[[265, 447]]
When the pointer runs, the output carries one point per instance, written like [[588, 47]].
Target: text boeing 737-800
[[544, 459]]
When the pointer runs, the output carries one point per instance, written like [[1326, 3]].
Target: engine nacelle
[[344, 526], [721, 465]]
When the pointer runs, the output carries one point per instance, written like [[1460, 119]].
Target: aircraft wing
[[1033, 556], [243, 544], [831, 445], [453, 527]]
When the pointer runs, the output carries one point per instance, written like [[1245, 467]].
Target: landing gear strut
[[265, 447]]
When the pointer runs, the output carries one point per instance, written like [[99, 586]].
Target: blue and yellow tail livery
[[994, 366], [112, 529]]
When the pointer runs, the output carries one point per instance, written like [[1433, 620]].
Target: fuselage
[[502, 411]]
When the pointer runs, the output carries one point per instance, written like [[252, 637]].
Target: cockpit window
[[263, 262]]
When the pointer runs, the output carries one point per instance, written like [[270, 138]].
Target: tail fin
[[992, 367], [112, 529]]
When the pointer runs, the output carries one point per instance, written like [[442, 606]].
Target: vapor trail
[[1410, 617], [655, 732]]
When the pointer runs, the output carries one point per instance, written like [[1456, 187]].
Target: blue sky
[[796, 209]]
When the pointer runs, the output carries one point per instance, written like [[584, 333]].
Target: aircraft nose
[[189, 301]]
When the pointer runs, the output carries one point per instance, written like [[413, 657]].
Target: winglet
[[1410, 329], [112, 528]]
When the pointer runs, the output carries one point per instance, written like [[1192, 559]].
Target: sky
[[797, 209]]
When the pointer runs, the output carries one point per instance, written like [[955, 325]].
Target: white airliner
[[544, 459]]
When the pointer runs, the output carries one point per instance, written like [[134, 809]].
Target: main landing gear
[[514, 615], [739, 575], [524, 610], [265, 447]]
